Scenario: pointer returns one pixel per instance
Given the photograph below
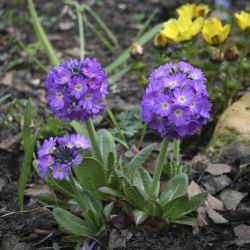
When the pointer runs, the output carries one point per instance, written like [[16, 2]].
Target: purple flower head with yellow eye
[[76, 89], [60, 154], [176, 100]]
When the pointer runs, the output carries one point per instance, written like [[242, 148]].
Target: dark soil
[[35, 228]]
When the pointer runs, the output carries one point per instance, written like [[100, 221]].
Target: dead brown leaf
[[67, 25], [218, 169], [8, 79]]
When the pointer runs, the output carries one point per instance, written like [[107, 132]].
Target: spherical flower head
[[214, 32], [182, 29], [176, 103], [76, 89], [243, 20], [60, 154]]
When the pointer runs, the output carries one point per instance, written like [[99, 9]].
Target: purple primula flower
[[90, 246], [76, 89], [60, 154], [176, 100]]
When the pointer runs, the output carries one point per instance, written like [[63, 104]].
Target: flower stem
[[93, 140], [158, 168], [177, 150], [144, 130]]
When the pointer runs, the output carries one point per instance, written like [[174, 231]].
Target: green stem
[[144, 130], [177, 150], [81, 32], [93, 140], [76, 191], [158, 168]]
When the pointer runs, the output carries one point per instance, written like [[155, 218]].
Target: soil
[[35, 228]]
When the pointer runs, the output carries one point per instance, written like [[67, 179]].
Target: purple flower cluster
[[77, 89], [60, 154], [176, 100]]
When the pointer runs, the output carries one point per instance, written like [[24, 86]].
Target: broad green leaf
[[145, 179], [111, 162], [132, 194], [25, 168], [176, 187], [111, 192], [139, 159], [153, 208], [71, 223], [91, 175], [108, 210], [107, 145], [195, 202], [79, 128], [52, 201], [139, 216], [126, 54], [74, 238], [186, 221], [174, 208]]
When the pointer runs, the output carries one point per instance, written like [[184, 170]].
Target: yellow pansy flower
[[201, 10], [213, 32], [182, 29], [186, 10], [243, 20], [193, 10]]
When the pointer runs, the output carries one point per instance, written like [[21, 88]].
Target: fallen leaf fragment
[[215, 217], [242, 233], [218, 169], [231, 198]]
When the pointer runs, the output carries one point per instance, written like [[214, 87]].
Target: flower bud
[[136, 50], [232, 54], [217, 56], [160, 41]]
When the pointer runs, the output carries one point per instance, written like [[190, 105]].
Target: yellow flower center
[[178, 112], [165, 105], [65, 79], [59, 96], [78, 87], [181, 99]]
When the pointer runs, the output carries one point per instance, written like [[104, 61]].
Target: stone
[[233, 126]]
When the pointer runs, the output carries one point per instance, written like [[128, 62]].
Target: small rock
[[233, 126], [118, 239], [66, 25], [215, 217], [2, 183], [8, 79], [200, 162], [218, 169], [231, 198], [22, 246], [214, 184], [242, 233], [236, 151]]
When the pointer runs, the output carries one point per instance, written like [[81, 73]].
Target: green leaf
[[132, 194], [174, 208], [74, 238], [176, 187], [107, 145], [27, 124], [71, 223], [111, 192], [139, 159], [186, 221], [4, 98], [195, 202], [42, 35], [139, 216], [79, 128], [142, 179], [126, 54], [91, 175], [25, 168], [108, 210], [153, 208]]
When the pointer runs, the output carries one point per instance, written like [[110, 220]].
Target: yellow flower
[[213, 32], [182, 29], [160, 41], [192, 10], [201, 10], [243, 20], [186, 10]]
